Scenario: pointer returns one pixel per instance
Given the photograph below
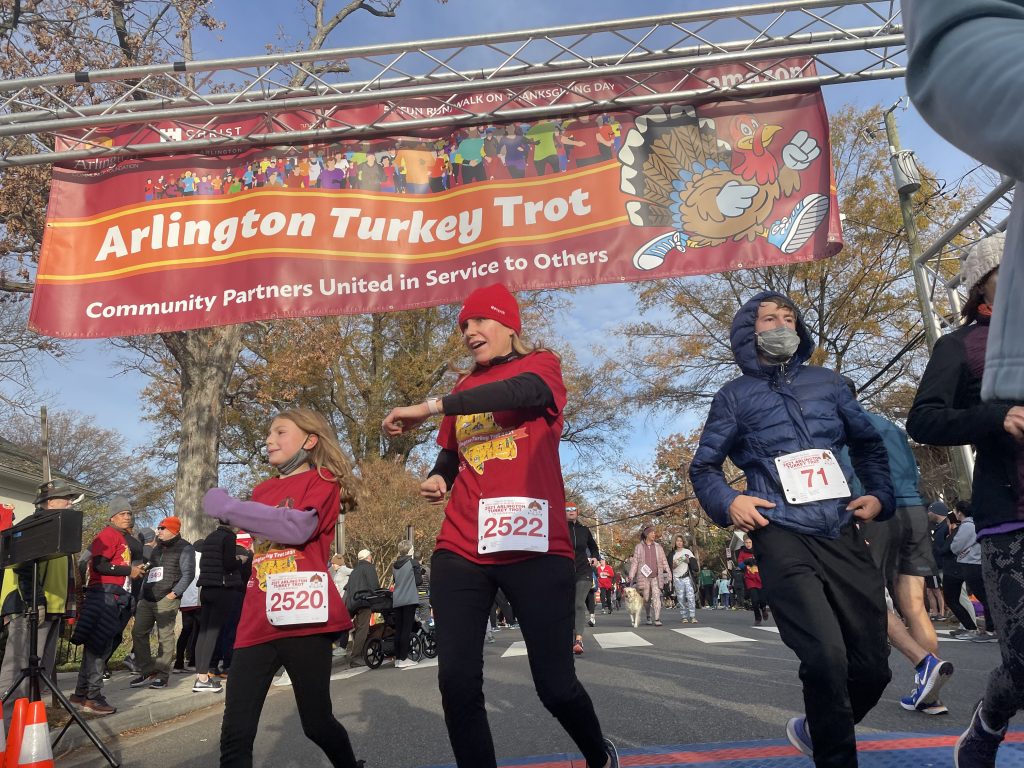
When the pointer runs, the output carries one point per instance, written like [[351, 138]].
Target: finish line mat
[[895, 750]]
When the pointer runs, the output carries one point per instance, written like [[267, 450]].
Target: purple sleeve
[[280, 524]]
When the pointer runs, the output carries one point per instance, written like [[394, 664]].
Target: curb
[[110, 727]]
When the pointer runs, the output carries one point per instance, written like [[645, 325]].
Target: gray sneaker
[[208, 686]]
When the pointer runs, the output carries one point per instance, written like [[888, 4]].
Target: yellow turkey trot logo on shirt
[[481, 439]]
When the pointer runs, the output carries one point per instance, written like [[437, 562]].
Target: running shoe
[[158, 684], [142, 680], [404, 663], [977, 746], [800, 736], [693, 619], [981, 636], [935, 708], [613, 754], [78, 699], [931, 675], [657, 623], [592, 621], [207, 686], [577, 647]]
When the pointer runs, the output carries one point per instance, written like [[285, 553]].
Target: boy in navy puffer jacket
[[783, 423]]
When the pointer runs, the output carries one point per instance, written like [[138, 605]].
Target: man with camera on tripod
[[55, 589]]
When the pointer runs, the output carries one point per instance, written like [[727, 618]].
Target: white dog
[[634, 604]]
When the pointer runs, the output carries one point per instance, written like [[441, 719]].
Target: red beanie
[[494, 302]]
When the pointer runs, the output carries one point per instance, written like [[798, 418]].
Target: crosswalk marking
[[518, 648], [344, 674], [609, 640], [711, 636], [767, 628]]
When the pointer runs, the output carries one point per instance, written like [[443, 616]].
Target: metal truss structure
[[944, 256], [61, 118]]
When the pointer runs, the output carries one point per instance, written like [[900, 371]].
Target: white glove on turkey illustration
[[734, 198], [800, 152]]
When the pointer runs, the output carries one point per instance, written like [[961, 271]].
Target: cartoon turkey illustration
[[710, 191]]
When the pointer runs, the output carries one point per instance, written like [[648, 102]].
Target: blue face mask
[[778, 345]]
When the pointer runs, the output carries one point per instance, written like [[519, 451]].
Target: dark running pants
[[462, 593], [1002, 559], [216, 604], [307, 660], [952, 586], [827, 597], [757, 602]]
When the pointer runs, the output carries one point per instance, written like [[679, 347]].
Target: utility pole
[[908, 181]]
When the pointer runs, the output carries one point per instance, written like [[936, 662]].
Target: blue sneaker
[[932, 674], [800, 736], [977, 746], [791, 233]]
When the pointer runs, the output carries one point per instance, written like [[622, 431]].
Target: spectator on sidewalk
[[218, 584], [55, 592], [107, 602], [361, 581], [707, 587], [408, 575], [952, 577], [724, 590], [746, 562], [185, 648], [169, 572], [967, 548]]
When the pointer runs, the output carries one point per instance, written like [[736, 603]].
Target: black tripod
[[35, 673]]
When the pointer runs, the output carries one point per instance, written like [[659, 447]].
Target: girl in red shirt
[[292, 612], [504, 528]]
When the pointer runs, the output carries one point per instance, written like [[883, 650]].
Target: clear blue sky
[[89, 384]]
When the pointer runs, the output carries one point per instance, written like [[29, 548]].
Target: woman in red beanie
[[504, 527]]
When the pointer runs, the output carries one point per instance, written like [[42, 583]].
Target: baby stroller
[[383, 638], [427, 637]]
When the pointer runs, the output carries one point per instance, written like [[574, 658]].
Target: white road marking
[[710, 635]]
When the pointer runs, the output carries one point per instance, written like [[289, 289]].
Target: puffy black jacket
[[948, 410], [771, 411], [220, 567]]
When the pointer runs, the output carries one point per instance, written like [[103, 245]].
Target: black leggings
[[976, 584], [541, 591], [952, 584], [307, 660], [757, 603], [185, 650], [215, 607]]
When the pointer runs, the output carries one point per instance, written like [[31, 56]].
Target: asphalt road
[[676, 689]]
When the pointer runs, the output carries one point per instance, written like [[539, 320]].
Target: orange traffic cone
[[14, 735], [35, 751]]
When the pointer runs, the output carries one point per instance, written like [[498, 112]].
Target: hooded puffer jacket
[[774, 410]]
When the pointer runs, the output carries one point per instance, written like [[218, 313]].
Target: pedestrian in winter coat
[[783, 423], [651, 572], [408, 575], [362, 580]]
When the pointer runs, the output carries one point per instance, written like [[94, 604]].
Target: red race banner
[[185, 241]]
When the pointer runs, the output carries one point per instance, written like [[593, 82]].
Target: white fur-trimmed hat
[[982, 259]]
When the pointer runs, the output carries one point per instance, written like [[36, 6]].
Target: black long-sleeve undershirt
[[102, 565], [527, 390]]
